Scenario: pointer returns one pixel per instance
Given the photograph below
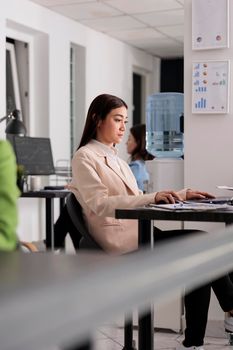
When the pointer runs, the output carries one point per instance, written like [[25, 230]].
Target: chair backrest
[[75, 212]]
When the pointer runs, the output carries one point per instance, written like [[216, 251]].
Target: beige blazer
[[100, 187]]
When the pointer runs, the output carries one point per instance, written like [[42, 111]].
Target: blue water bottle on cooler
[[165, 125]]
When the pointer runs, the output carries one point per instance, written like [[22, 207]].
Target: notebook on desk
[[190, 205], [198, 204]]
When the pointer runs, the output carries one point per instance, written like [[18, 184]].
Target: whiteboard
[[210, 87], [210, 24]]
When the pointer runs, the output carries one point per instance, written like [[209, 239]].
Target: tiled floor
[[111, 338]]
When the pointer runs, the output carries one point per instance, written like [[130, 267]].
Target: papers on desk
[[190, 206], [225, 188]]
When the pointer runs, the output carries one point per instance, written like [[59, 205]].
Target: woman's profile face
[[131, 144], [111, 130]]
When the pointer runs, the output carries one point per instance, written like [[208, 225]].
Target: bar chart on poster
[[210, 87]]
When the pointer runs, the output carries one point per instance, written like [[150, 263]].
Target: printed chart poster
[[210, 87], [210, 24]]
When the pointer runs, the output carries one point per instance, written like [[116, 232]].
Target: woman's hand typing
[[194, 194], [167, 197]]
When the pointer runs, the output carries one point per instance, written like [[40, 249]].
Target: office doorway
[[139, 98], [172, 75]]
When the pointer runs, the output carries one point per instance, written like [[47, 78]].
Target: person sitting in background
[[136, 147], [9, 194], [103, 182]]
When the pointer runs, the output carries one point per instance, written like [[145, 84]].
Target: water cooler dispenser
[[164, 139]]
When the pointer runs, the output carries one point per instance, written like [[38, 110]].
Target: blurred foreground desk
[[49, 196], [48, 299], [44, 299], [145, 216]]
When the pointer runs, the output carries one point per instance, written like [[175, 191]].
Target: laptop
[[217, 200]]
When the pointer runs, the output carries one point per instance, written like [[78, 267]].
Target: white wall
[[109, 67], [208, 137]]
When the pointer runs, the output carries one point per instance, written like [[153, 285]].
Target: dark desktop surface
[[54, 188], [46, 194], [149, 213]]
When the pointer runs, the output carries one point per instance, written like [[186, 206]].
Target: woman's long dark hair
[[100, 107], [139, 133]]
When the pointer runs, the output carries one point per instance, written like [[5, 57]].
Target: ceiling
[[154, 26]]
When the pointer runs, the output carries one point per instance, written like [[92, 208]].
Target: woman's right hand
[[167, 197]]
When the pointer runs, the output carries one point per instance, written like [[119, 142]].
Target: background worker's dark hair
[[139, 133]]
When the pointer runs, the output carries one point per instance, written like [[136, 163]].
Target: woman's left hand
[[194, 194]]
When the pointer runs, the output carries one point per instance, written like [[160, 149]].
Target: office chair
[[87, 242], [75, 212]]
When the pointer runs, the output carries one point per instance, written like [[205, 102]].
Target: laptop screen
[[34, 154]]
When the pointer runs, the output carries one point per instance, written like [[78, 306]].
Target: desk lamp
[[14, 125]]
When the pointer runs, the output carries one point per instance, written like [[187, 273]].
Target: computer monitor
[[34, 154]]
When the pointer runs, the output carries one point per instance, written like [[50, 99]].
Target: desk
[[144, 217], [49, 196]]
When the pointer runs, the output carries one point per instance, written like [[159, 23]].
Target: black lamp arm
[[4, 118]]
